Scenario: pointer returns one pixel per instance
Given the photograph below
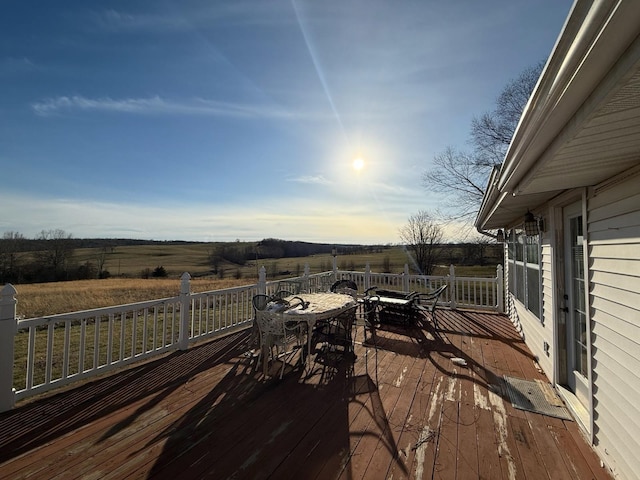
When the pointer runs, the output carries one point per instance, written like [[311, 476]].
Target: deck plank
[[377, 426], [387, 450], [405, 410], [467, 448]]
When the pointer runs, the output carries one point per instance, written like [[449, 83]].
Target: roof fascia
[[570, 75]]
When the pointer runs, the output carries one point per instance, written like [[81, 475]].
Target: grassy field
[[130, 261], [40, 299], [126, 286]]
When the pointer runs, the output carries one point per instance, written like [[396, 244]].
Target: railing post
[[8, 326], [405, 278], [262, 281], [367, 276], [452, 287], [185, 301], [500, 288], [306, 283]]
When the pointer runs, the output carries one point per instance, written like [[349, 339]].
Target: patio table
[[317, 306]]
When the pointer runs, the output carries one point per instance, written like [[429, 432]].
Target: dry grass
[[40, 299]]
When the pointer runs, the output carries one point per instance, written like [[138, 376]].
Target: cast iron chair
[[431, 300], [347, 287], [367, 316], [278, 339], [259, 302], [293, 286], [339, 336]]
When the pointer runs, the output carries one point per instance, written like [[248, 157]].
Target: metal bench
[[401, 306], [395, 305]]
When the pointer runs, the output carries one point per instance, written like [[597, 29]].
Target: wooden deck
[[404, 410]]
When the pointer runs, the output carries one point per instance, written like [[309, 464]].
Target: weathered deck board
[[403, 411]]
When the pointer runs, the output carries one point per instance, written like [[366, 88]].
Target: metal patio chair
[[428, 302]]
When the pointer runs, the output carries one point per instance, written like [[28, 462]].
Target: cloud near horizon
[[91, 219]]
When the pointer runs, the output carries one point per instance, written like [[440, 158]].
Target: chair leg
[[284, 364], [264, 351]]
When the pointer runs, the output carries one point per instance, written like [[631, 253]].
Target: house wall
[[613, 226], [613, 246]]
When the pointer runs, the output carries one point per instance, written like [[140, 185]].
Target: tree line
[[47, 258], [50, 257]]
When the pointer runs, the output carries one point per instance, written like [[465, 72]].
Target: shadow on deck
[[403, 410]]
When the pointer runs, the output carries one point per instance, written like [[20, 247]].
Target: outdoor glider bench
[[403, 307]]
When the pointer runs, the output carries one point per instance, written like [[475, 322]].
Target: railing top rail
[[476, 279], [94, 312], [223, 291]]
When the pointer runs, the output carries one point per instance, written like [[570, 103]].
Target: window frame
[[519, 248]]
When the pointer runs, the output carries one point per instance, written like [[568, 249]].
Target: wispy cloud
[[311, 179], [158, 106], [115, 20], [12, 65], [249, 13]]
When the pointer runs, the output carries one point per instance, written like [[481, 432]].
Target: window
[[524, 269]]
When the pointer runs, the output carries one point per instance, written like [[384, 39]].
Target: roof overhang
[[581, 125]]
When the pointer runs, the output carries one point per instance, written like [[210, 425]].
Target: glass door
[[577, 334]]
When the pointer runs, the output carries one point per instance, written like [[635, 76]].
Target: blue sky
[[222, 120]]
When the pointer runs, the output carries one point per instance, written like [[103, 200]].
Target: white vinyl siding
[[614, 284]]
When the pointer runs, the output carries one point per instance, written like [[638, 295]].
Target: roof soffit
[[582, 123], [594, 37]]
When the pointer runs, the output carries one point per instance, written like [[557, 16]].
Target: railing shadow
[[209, 411], [53, 415], [297, 427]]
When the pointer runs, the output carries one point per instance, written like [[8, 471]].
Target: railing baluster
[[155, 331], [226, 310], [167, 328], [96, 342], [81, 353], [49, 355], [145, 331], [110, 320], [31, 351], [122, 336], [134, 334], [67, 348]]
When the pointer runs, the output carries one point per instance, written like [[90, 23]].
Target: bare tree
[[491, 133], [11, 244], [56, 253], [423, 236], [462, 176], [101, 258]]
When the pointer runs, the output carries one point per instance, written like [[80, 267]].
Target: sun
[[358, 164]]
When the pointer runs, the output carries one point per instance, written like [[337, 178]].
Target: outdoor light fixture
[[500, 236], [531, 225], [334, 251]]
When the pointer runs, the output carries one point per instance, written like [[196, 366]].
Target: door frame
[[577, 382], [583, 413]]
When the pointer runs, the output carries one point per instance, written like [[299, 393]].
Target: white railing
[[39, 354], [461, 292]]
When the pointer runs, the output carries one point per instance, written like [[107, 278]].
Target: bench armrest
[[396, 294]]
